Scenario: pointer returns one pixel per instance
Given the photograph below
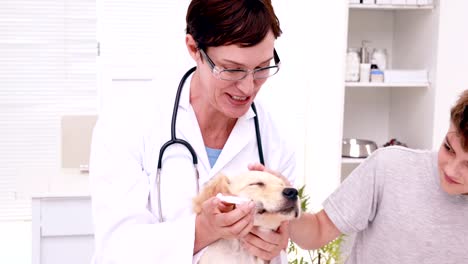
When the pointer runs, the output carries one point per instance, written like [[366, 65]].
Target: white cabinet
[[375, 110], [62, 230], [414, 113], [382, 111]]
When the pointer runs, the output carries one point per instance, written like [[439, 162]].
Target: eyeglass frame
[[216, 70]]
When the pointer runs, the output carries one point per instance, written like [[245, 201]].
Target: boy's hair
[[214, 23], [459, 118]]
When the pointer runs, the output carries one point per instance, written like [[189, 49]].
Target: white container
[[376, 75], [354, 1], [406, 76], [364, 72], [379, 57], [368, 2], [352, 65], [383, 2]]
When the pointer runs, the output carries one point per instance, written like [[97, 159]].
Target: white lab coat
[[124, 155]]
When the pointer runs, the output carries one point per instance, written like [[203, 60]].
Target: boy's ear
[[219, 184]]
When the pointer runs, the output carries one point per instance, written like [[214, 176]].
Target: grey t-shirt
[[394, 203]]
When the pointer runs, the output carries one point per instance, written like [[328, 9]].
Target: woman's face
[[453, 164], [233, 98]]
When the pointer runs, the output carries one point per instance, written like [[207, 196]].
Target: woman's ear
[[219, 184], [192, 47]]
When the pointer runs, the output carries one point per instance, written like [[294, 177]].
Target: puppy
[[275, 203]]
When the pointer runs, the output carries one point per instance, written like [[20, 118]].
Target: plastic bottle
[[380, 58], [352, 65], [376, 75]]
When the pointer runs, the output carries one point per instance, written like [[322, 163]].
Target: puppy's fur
[[275, 203]]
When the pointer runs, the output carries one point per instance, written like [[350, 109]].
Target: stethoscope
[[175, 140]]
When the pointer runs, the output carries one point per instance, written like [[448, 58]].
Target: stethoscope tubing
[[175, 140]]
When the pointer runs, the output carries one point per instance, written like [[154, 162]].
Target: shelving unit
[[381, 111]]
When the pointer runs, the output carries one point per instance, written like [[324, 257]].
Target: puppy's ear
[[218, 184]]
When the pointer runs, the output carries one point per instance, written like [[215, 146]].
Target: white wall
[[325, 33], [452, 63], [310, 89]]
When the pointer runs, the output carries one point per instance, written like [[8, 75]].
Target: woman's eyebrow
[[240, 64]]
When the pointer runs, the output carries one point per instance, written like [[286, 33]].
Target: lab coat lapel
[[238, 139]]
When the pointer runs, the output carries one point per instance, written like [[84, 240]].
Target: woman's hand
[[267, 244], [220, 220], [261, 167]]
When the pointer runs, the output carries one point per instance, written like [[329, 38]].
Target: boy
[[405, 206]]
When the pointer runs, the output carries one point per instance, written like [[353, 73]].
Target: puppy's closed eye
[[261, 184]]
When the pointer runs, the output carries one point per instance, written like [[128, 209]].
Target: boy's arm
[[312, 231]]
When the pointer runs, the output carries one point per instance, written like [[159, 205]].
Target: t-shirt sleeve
[[354, 204]]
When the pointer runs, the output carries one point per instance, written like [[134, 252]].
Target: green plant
[[327, 254]]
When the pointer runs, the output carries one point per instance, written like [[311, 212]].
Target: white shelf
[[390, 7], [352, 160], [374, 84]]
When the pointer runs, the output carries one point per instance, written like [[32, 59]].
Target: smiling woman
[[217, 118]]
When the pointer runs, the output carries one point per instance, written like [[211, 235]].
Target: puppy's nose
[[290, 193]]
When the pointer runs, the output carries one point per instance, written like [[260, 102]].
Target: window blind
[[47, 69]]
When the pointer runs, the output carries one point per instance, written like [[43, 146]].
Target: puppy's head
[[275, 201]]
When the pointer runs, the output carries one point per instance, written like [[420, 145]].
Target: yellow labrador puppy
[[275, 203]]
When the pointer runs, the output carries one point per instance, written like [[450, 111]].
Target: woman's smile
[[238, 100]]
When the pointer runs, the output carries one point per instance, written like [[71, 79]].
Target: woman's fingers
[[256, 167], [260, 167], [266, 244], [238, 222], [227, 221]]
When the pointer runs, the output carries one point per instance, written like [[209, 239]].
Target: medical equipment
[[175, 140]]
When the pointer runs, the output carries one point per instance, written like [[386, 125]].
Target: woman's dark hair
[[215, 23], [459, 118]]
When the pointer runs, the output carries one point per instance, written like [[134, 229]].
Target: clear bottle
[[352, 65], [364, 51]]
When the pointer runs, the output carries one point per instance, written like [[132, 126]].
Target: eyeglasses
[[239, 74]]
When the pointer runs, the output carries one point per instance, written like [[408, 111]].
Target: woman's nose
[[247, 84]]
